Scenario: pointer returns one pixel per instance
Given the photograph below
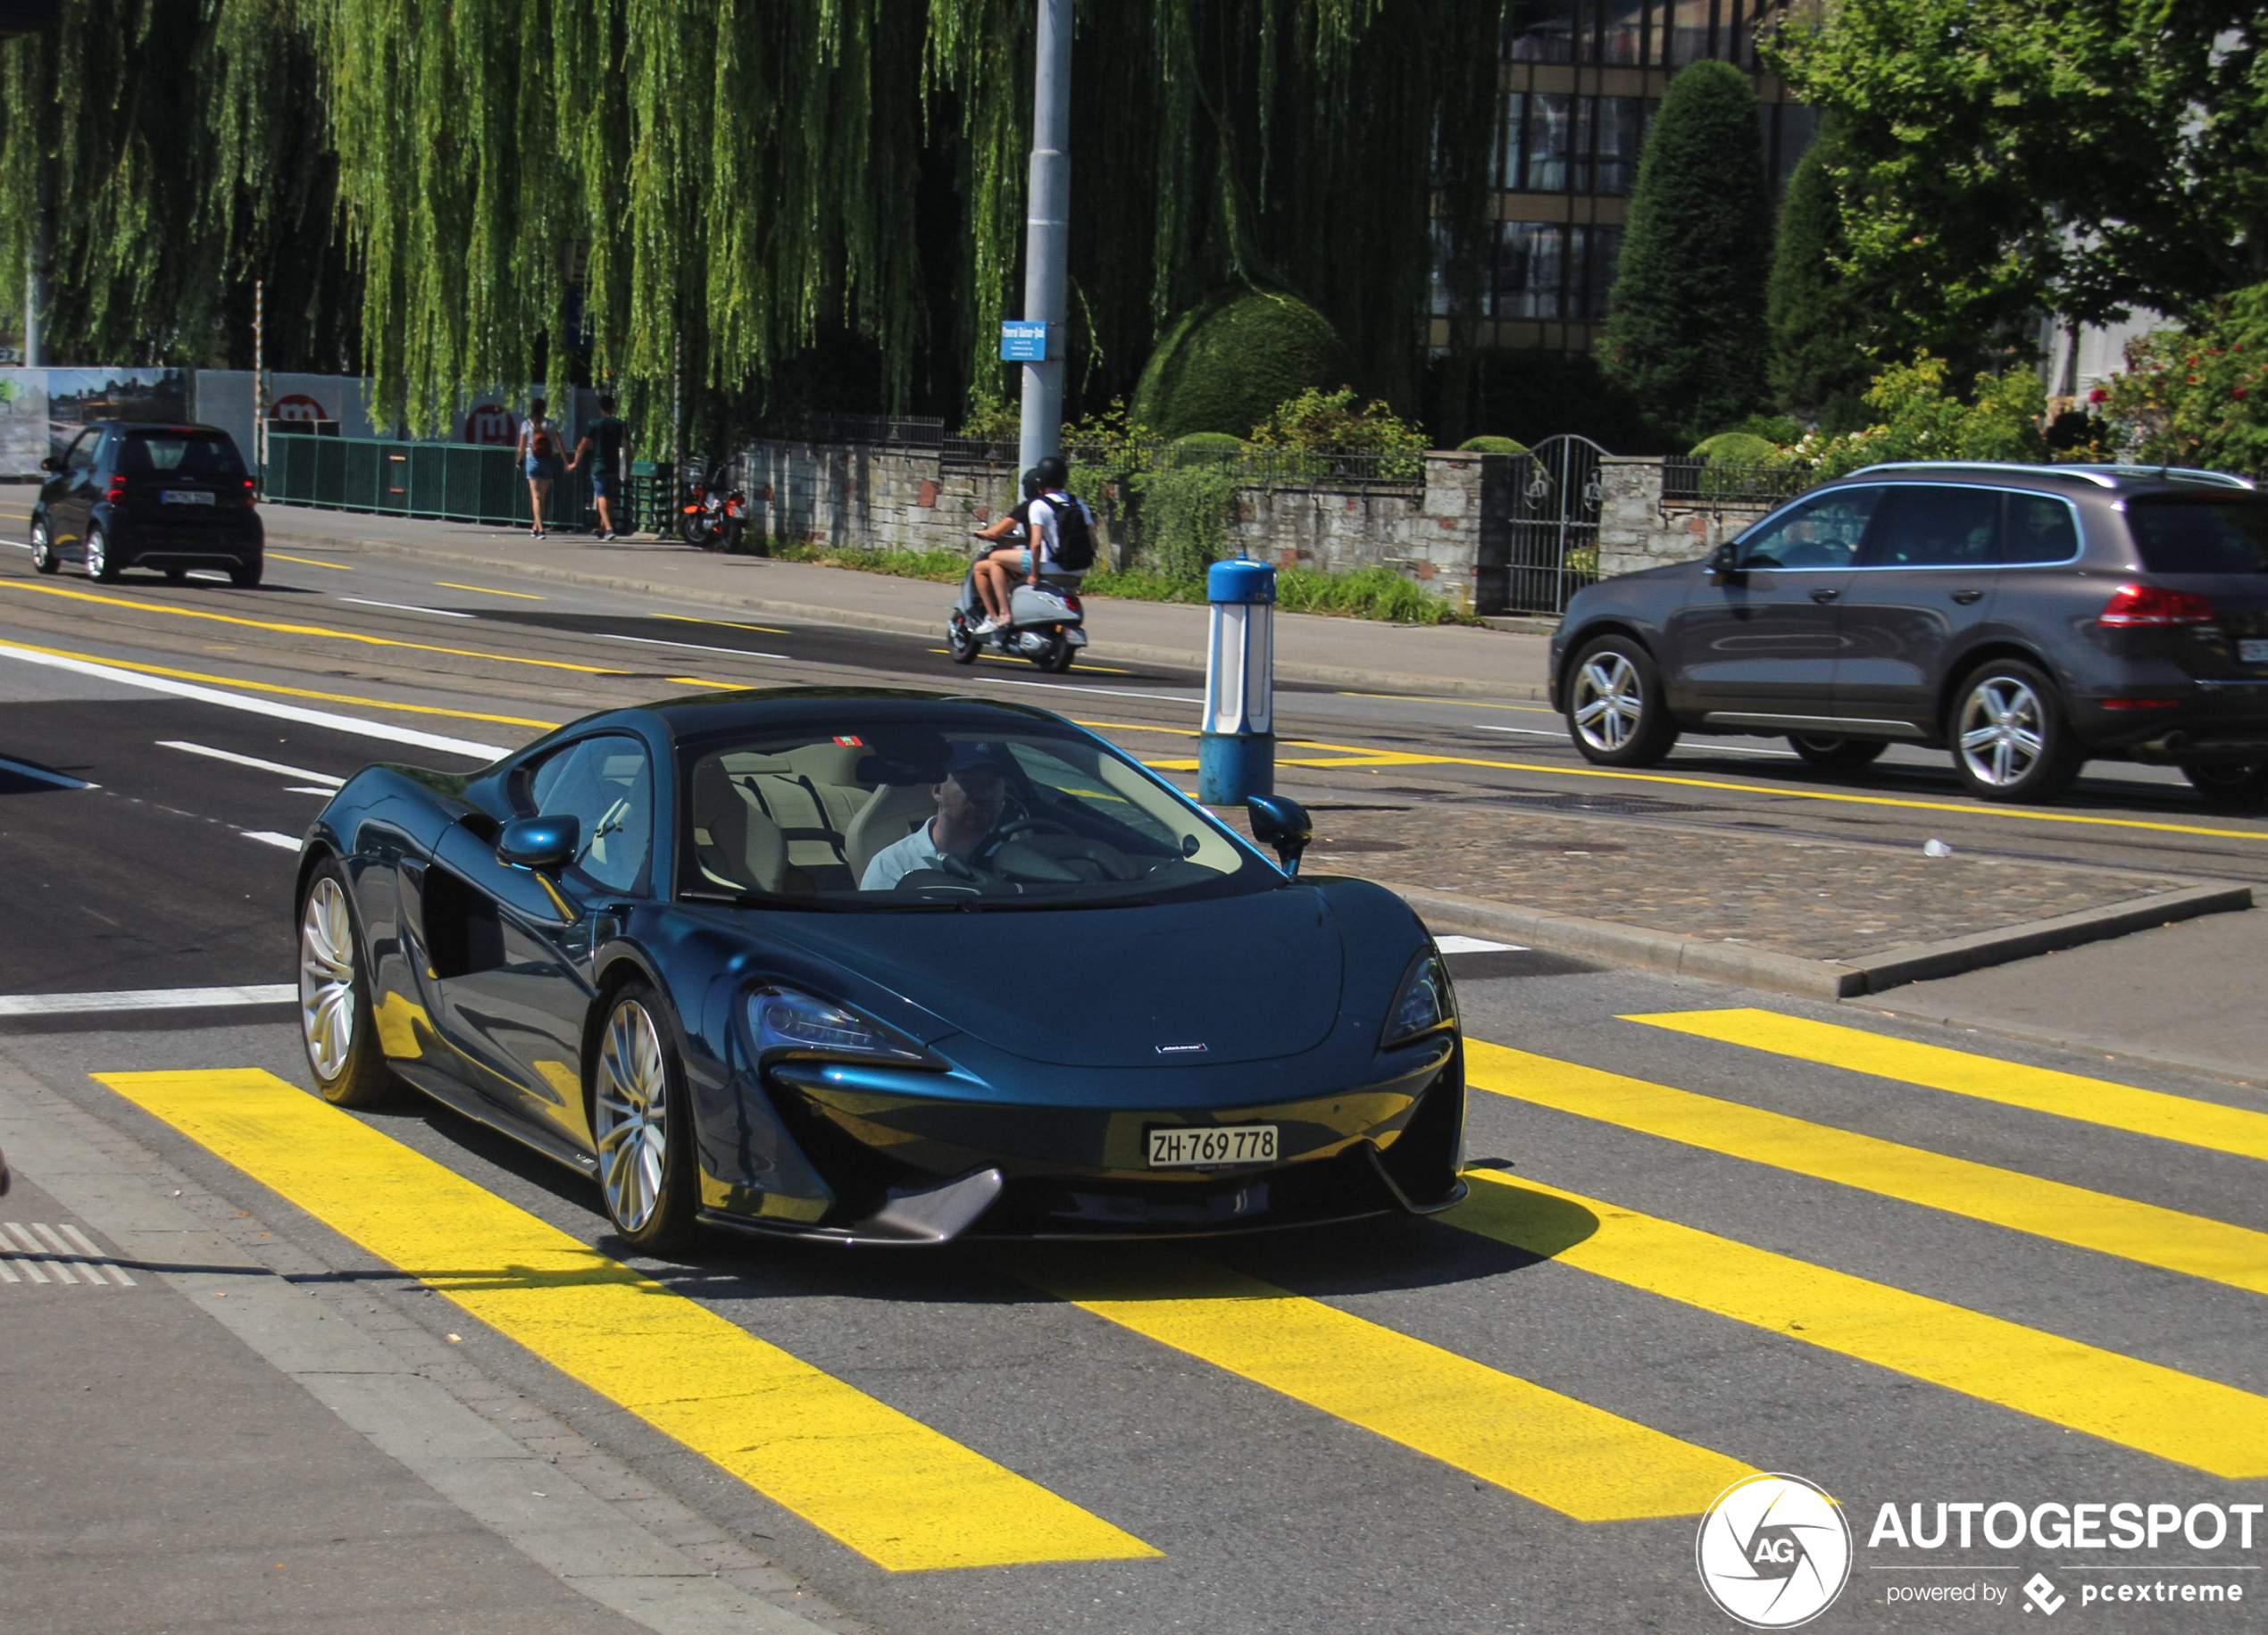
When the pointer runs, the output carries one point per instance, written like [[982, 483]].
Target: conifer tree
[[1820, 364], [1685, 329]]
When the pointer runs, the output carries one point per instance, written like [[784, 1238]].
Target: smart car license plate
[[2253, 651], [185, 497], [1177, 1149]]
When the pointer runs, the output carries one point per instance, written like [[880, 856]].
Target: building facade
[[1581, 80]]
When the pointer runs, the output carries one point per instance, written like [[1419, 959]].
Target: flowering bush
[[2197, 396], [1921, 420]]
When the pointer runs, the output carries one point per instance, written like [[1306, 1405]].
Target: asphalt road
[[1911, 1279]]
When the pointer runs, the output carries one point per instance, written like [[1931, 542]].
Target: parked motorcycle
[[712, 516], [1044, 622]]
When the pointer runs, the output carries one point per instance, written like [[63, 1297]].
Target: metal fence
[[1689, 481], [1550, 500], [463, 482]]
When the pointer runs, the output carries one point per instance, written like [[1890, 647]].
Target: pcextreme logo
[[1773, 1551]]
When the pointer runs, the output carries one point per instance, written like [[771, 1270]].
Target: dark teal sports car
[[880, 967]]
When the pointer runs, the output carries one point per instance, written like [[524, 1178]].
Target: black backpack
[[1074, 535]]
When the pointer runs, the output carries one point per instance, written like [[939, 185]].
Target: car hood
[[1248, 977]]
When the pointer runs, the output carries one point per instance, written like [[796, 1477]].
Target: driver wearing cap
[[969, 801]]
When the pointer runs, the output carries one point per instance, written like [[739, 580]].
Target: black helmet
[[1051, 471], [1033, 487]]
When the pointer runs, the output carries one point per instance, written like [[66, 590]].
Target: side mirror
[[1724, 564], [539, 843], [1283, 823], [53, 462]]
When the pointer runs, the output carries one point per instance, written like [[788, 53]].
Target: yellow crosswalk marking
[[2144, 1233], [2142, 1406], [1581, 1461], [2094, 1101], [883, 1483]]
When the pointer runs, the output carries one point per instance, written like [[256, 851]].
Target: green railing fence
[[461, 482]]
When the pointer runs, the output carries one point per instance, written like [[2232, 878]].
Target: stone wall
[[1637, 530], [900, 497]]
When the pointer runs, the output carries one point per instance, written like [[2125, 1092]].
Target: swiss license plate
[[2253, 651], [1174, 1149], [185, 497]]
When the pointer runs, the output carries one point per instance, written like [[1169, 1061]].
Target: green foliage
[[1374, 592], [992, 420], [1999, 157], [2198, 396], [1225, 364], [1184, 518], [1492, 445], [1201, 447], [1916, 418], [1685, 331], [1328, 421], [1821, 327], [1779, 430], [1531, 395], [943, 567], [1737, 448]]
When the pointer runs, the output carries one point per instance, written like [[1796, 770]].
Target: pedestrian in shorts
[[538, 458], [606, 444]]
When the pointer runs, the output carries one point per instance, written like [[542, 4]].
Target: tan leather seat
[[735, 843], [892, 812]]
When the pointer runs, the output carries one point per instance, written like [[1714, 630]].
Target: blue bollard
[[1237, 749]]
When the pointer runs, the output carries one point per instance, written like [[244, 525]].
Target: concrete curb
[[1812, 979], [896, 625]]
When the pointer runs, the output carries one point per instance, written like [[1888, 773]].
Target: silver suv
[[2026, 618]]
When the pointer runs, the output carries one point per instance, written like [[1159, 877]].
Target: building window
[[1552, 272], [1549, 143]]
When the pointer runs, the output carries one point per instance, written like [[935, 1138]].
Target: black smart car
[[130, 494], [2026, 618]]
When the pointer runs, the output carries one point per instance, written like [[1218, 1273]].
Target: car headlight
[[1426, 1002], [793, 1025]]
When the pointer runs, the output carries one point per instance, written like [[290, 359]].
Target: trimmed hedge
[[1492, 445], [1225, 364]]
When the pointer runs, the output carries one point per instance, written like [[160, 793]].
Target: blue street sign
[[1023, 342]]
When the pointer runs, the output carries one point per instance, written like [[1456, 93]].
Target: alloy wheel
[[97, 563], [327, 979], [1609, 701], [631, 1100], [2003, 730], [43, 553]]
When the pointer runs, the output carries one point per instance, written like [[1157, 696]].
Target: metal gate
[[1552, 524]]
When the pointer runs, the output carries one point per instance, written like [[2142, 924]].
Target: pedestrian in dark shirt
[[606, 443]]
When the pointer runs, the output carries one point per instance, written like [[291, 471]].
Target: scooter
[[1044, 622]]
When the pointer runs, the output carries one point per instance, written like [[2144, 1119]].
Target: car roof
[[700, 714], [2063, 479], [176, 426]]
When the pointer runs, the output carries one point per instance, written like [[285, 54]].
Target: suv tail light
[[2141, 604], [116, 491], [251, 493]]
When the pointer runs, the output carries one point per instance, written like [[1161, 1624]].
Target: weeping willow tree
[[160, 155], [779, 202]]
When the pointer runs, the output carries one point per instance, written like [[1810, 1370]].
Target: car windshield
[[2187, 534], [891, 817], [180, 453]]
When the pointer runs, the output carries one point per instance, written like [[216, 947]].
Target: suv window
[[1936, 525], [606, 785], [2180, 534], [183, 454], [1821, 531], [2039, 528], [81, 455]]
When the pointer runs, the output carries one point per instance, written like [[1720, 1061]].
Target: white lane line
[[403, 607], [70, 1255], [1489, 726], [252, 761], [310, 789], [32, 1268], [7, 1271], [690, 646], [269, 837], [1712, 749], [42, 775], [387, 730], [1477, 944], [117, 1274], [1073, 687], [145, 998]]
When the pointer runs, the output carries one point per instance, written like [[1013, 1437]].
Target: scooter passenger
[[994, 571]]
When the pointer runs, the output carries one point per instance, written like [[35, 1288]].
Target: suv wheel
[[97, 563], [2231, 783], [2010, 738], [43, 551], [1841, 754], [1615, 711]]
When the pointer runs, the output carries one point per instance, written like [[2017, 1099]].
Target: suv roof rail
[[2102, 474], [2174, 473]]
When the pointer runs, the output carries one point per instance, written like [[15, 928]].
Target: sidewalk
[[1457, 660]]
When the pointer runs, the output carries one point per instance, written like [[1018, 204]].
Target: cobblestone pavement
[[1813, 899]]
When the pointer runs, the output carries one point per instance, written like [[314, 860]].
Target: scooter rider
[[1049, 515], [993, 587]]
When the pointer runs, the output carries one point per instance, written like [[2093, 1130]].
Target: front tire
[[641, 1124], [960, 645], [335, 1021], [1615, 711], [98, 563], [2241, 785], [42, 549], [2011, 740], [1836, 755]]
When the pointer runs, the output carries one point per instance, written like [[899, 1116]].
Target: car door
[[1922, 585], [1760, 648], [514, 949], [71, 499]]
